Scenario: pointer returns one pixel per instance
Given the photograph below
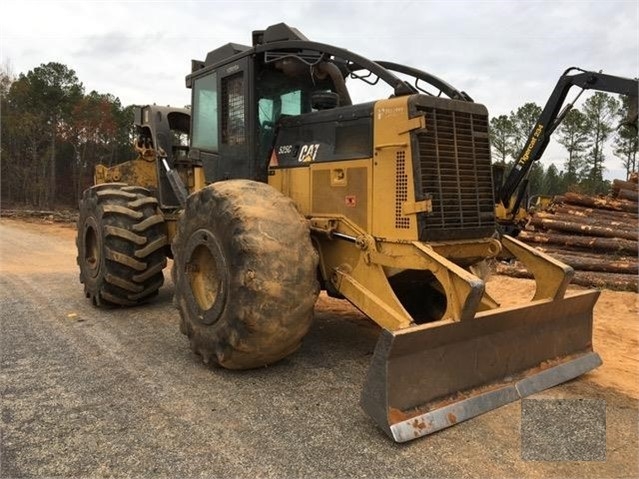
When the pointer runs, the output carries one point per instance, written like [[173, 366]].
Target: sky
[[502, 53]]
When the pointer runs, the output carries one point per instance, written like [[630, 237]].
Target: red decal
[[273, 161]]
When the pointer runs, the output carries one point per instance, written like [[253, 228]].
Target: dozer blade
[[428, 377]]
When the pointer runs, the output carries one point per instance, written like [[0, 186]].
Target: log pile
[[597, 236]]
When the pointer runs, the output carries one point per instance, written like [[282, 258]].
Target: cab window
[[205, 119], [270, 109], [233, 131]]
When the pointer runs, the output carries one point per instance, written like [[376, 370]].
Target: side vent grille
[[401, 191]]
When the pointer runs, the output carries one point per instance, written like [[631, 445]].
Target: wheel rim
[[203, 277], [91, 250], [206, 275]]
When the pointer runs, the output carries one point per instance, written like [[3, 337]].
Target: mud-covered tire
[[245, 274], [121, 245]]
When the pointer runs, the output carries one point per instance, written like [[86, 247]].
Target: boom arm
[[552, 115]]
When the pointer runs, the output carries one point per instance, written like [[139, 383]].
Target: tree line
[[53, 133], [584, 134]]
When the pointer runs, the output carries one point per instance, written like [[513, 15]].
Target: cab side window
[[205, 120]]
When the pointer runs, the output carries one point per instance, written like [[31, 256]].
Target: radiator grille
[[455, 169]]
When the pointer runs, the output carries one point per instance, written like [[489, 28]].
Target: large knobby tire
[[121, 245], [245, 274]]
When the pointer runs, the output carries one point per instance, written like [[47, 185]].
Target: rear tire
[[121, 245], [245, 274]]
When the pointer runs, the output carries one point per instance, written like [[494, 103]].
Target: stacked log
[[597, 236], [625, 190]]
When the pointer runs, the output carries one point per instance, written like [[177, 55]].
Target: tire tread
[[132, 236], [273, 282]]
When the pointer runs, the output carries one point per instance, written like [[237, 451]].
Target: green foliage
[[37, 106], [523, 120], [501, 138], [626, 140], [53, 135], [600, 110], [573, 136], [514, 131], [552, 183], [52, 89], [536, 179]]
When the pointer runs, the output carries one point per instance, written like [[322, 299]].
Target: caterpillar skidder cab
[[510, 190], [286, 188]]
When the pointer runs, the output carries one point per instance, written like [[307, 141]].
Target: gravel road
[[92, 393]]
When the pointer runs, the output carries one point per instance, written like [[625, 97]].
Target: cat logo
[[308, 153]]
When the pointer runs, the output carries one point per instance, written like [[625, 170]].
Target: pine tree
[[600, 110], [552, 181], [573, 136], [523, 121], [501, 138], [51, 135], [45, 95], [626, 140]]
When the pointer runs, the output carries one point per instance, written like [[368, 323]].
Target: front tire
[[121, 245], [245, 274]]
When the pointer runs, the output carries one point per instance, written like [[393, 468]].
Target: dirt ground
[[345, 444]]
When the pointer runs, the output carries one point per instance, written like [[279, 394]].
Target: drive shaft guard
[[428, 377]]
